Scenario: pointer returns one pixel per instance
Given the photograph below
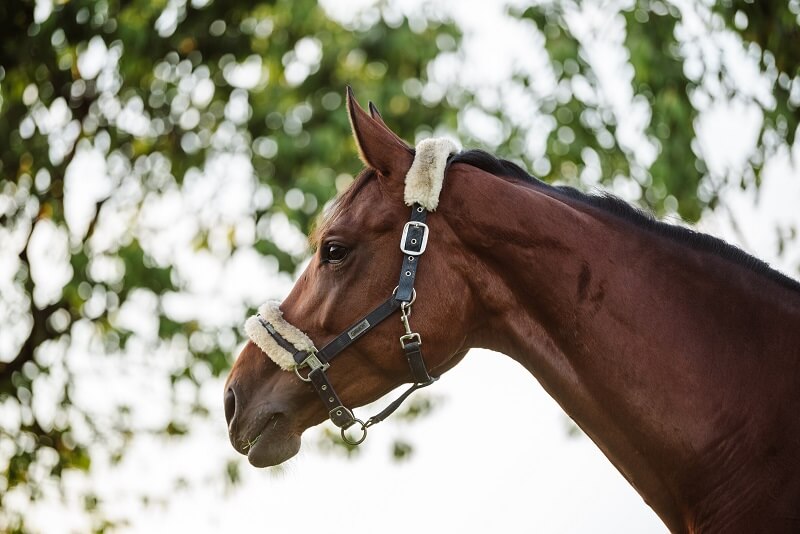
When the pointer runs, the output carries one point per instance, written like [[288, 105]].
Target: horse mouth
[[273, 444]]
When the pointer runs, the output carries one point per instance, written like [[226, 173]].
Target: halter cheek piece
[[423, 185], [413, 242]]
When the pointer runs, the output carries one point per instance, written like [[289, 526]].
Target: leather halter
[[413, 243]]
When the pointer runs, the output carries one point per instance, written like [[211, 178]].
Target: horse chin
[[272, 450], [276, 443]]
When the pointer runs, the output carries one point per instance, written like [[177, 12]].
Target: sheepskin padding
[[426, 175], [271, 313]]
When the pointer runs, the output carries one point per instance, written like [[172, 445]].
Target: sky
[[496, 454]]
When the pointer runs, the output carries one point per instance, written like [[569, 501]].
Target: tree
[[638, 125], [148, 103]]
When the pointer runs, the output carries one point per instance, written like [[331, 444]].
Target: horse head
[[351, 280]]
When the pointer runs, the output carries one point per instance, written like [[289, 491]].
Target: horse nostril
[[230, 405]]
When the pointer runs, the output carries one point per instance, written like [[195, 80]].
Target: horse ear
[[378, 147], [375, 114]]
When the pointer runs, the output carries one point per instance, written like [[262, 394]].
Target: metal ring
[[354, 442], [301, 377], [413, 295]]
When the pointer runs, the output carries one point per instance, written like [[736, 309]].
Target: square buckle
[[404, 237], [314, 362]]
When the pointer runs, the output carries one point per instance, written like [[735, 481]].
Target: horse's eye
[[333, 253]]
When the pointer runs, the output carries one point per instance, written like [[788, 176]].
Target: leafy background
[[151, 153]]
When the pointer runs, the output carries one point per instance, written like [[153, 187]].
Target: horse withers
[[677, 354]]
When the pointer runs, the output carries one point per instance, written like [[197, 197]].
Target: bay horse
[[676, 353]]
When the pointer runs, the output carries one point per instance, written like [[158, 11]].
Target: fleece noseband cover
[[271, 313]]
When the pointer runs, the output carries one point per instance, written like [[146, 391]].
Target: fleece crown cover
[[426, 175]]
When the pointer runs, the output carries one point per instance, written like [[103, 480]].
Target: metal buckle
[[403, 238], [408, 337], [313, 362]]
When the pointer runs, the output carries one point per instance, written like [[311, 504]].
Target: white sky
[[496, 460]]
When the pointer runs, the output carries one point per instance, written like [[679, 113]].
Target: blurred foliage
[[176, 84], [179, 83], [585, 134], [770, 26]]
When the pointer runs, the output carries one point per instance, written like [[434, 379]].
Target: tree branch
[[39, 330]]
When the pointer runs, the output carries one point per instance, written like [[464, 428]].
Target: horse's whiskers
[[250, 444]]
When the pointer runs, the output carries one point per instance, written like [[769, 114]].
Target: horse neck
[[672, 359]]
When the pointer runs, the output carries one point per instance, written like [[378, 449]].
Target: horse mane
[[634, 215]]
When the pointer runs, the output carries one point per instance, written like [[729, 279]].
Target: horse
[[675, 352]]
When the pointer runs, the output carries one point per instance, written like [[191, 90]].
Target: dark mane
[[618, 207]]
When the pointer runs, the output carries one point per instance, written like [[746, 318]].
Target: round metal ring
[[413, 295], [359, 441]]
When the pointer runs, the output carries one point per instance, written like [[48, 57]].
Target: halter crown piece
[[293, 350]]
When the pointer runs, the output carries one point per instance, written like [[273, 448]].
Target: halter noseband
[[423, 184]]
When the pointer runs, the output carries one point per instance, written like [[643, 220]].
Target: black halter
[[412, 243]]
